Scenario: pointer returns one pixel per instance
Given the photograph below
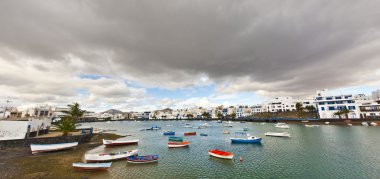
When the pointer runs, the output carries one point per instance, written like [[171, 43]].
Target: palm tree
[[206, 115], [338, 113], [74, 111], [66, 125], [345, 111], [220, 115]]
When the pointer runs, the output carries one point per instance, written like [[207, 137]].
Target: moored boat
[[226, 132], [221, 154], [248, 139], [364, 123], [153, 128], [278, 134], [176, 139], [39, 148], [190, 133], [373, 124], [169, 133], [92, 166], [178, 144], [203, 134], [245, 129], [110, 143], [143, 159], [281, 126], [109, 156], [313, 125]]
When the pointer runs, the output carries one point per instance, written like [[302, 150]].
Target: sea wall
[[48, 140]]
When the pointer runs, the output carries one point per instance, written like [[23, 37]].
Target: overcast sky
[[139, 55]]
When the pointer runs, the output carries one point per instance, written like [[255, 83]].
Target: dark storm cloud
[[289, 45]]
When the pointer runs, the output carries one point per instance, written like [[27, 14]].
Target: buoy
[[241, 159]]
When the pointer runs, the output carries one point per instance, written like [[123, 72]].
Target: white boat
[[109, 156], [178, 144], [118, 142], [206, 125], [349, 124], [364, 123], [38, 148], [373, 124], [312, 125], [281, 126], [92, 166], [327, 123], [278, 134]]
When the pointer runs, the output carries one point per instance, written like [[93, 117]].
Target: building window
[[351, 107], [319, 98], [321, 103], [339, 102], [328, 98], [322, 108], [331, 108], [338, 97], [331, 102]]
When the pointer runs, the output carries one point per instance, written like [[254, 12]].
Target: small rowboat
[[277, 134], [153, 128], [169, 133], [221, 154], [176, 139], [178, 144], [38, 148], [109, 156], [190, 133], [143, 159], [92, 166], [110, 143]]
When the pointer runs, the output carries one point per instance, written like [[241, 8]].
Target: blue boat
[[248, 139], [175, 139], [143, 159], [169, 133], [203, 134]]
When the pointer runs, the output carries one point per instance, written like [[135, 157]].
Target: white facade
[[328, 105]]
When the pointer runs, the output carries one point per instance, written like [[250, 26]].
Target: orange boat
[[178, 144], [221, 154], [190, 133]]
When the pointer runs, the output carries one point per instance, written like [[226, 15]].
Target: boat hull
[[178, 144], [246, 141], [229, 157], [143, 159], [277, 134], [92, 167], [169, 133], [190, 133], [40, 148], [112, 143], [108, 157]]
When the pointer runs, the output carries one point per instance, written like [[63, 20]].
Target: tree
[[338, 113], [345, 111], [299, 106], [220, 115], [233, 115], [206, 115], [74, 111], [189, 116], [310, 108], [66, 125]]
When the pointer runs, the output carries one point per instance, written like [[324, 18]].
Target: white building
[[328, 105], [44, 111]]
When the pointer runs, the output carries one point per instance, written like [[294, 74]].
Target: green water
[[324, 152]]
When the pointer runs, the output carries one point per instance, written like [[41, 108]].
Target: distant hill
[[113, 111]]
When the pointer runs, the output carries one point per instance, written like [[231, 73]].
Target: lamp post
[[6, 106]]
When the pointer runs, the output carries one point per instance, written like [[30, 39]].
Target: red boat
[[190, 133], [221, 154]]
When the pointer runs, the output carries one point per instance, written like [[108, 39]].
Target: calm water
[[324, 152]]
